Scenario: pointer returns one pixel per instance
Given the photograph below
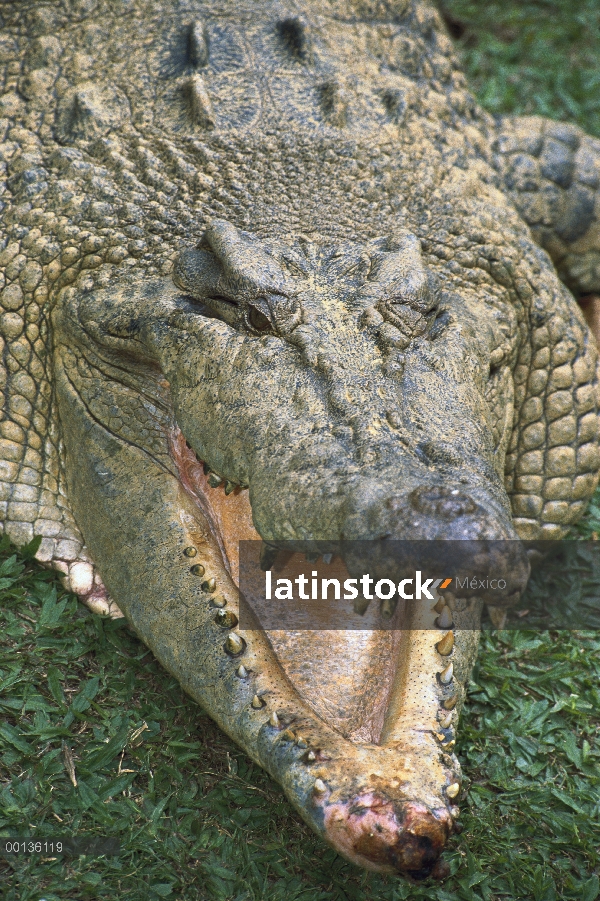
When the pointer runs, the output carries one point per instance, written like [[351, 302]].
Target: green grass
[[532, 58], [196, 819]]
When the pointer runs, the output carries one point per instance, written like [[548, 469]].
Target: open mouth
[[343, 675], [386, 796]]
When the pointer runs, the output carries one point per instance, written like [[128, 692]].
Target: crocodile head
[[343, 386], [354, 397]]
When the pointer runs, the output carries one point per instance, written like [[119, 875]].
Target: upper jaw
[[400, 499]]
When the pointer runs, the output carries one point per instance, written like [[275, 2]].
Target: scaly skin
[[361, 338], [552, 171]]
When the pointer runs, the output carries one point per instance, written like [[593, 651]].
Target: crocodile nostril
[[442, 502]]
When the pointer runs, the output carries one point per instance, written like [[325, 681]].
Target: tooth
[[288, 735], [450, 703], [320, 786], [197, 100], [268, 555], [229, 487], [453, 790], [497, 616], [219, 602], [446, 674], [190, 552], [226, 618], [445, 645], [234, 645], [209, 585], [214, 480], [301, 742], [444, 620], [311, 756], [387, 608], [197, 569], [441, 603], [274, 720], [360, 605], [257, 702], [445, 720], [241, 671]]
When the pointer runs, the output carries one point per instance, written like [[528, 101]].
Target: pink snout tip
[[389, 837]]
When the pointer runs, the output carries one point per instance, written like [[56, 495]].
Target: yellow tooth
[[446, 674], [444, 620], [445, 645], [234, 644]]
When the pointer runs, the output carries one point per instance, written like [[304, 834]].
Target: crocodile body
[[363, 323]]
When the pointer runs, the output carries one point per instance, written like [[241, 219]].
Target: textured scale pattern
[[552, 171], [134, 193], [112, 160]]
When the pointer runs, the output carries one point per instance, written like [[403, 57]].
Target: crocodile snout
[[445, 512], [483, 544], [381, 835]]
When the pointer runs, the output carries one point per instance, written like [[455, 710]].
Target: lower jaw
[[387, 802]]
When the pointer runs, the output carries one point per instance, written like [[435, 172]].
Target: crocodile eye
[[257, 320]]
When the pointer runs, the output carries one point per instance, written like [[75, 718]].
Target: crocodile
[[269, 272]]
